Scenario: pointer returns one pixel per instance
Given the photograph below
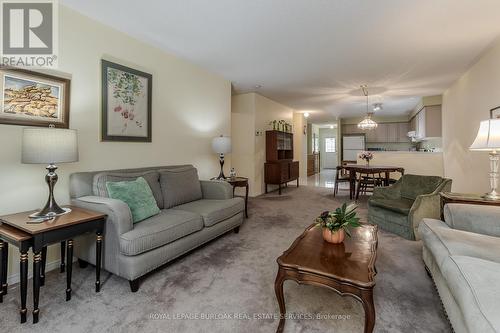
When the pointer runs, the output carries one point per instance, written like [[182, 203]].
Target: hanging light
[[377, 107], [368, 123]]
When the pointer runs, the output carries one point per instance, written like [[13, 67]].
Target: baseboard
[[50, 266]]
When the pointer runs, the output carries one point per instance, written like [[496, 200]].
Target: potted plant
[[337, 223], [366, 156]]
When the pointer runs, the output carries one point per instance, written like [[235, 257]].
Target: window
[[330, 146]]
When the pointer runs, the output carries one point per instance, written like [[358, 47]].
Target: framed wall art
[[495, 113], [126, 103], [33, 99]]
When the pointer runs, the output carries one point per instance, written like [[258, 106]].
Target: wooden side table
[[240, 182], [464, 198], [61, 228]]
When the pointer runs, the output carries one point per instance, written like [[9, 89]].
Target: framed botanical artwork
[[33, 99], [126, 103], [495, 113]]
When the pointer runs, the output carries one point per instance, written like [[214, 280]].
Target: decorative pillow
[[179, 186], [137, 195], [152, 177]]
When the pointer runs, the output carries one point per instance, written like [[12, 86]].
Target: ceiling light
[[257, 86], [367, 123], [306, 114], [331, 126], [377, 107]]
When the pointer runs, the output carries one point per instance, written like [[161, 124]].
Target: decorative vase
[[334, 237], [367, 162]]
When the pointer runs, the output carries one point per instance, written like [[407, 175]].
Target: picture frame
[[126, 103], [30, 98], [495, 113]]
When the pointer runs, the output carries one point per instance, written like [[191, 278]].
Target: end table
[[15, 229], [240, 182]]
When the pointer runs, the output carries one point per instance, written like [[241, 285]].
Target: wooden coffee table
[[347, 268]]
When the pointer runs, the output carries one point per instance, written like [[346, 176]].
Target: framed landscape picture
[[126, 103], [33, 99], [495, 113]]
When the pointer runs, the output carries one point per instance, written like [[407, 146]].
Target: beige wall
[[300, 145], [415, 163], [252, 112], [465, 104], [190, 107]]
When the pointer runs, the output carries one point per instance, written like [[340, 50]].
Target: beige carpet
[[232, 279]]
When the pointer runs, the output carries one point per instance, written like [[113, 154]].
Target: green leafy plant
[[341, 218]]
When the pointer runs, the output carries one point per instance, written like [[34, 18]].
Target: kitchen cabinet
[[403, 129], [385, 132], [428, 122]]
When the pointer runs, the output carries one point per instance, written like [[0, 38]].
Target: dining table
[[366, 169]]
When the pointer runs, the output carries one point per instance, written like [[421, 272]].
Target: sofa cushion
[[152, 177], [137, 195], [401, 205], [180, 186], [159, 230], [415, 185], [442, 242], [214, 211], [474, 285]]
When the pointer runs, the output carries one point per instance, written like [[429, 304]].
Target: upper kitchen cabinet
[[428, 122], [384, 133]]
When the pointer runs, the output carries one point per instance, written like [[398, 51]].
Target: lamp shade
[[49, 146], [488, 136], [221, 144]]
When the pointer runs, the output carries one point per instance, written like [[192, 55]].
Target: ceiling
[[314, 55]]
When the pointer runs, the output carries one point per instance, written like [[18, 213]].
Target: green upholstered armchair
[[400, 208]]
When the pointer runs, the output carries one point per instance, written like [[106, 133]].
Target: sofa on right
[[462, 254]]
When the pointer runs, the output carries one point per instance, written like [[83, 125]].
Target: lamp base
[[493, 196], [47, 213]]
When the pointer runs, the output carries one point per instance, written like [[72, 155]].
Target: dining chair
[[341, 176]]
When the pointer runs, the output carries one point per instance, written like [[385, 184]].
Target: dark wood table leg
[[69, 269], [367, 300], [387, 178], [352, 183], [5, 262], [2, 259], [98, 253], [23, 269], [278, 289], [297, 182], [37, 258], [42, 269], [279, 189], [359, 187], [63, 257], [246, 200]]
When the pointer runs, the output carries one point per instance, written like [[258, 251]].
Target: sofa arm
[[388, 192], [479, 219], [425, 206], [216, 190], [118, 212]]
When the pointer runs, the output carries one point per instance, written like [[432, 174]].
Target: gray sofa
[[192, 213], [462, 254]]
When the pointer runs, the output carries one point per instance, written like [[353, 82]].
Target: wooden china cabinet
[[280, 168]]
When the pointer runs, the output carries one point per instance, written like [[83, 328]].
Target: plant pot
[[336, 237]]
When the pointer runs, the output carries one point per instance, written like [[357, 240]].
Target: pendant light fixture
[[367, 123]]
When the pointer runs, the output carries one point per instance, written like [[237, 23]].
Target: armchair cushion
[[401, 205], [214, 211], [415, 185], [180, 186]]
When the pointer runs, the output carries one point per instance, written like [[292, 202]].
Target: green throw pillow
[[137, 195]]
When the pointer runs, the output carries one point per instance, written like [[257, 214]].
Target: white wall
[[190, 107], [465, 104]]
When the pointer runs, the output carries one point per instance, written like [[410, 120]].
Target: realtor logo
[[29, 33]]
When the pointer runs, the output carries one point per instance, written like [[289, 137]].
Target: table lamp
[[488, 139], [49, 146], [221, 145]]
